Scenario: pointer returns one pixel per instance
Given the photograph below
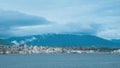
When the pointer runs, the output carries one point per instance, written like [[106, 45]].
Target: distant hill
[[64, 40], [116, 40], [4, 42]]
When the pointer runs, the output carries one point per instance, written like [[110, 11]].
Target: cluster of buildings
[[24, 49]]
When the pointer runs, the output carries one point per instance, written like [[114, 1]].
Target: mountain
[[116, 40], [63, 40], [4, 42]]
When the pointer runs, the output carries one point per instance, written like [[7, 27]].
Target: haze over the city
[[33, 17]]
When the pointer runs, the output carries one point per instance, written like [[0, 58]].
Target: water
[[60, 61]]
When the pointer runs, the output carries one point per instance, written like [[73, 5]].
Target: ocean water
[[60, 61]]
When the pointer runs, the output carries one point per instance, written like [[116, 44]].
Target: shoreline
[[24, 49]]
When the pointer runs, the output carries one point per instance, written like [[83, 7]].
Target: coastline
[[25, 49]]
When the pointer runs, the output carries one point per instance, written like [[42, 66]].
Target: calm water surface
[[60, 61]]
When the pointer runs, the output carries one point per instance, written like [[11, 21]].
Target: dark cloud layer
[[11, 19]]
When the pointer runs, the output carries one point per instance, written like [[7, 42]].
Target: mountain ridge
[[64, 40]]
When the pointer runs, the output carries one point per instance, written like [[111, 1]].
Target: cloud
[[105, 27], [73, 28], [110, 34], [12, 19], [94, 17], [23, 41]]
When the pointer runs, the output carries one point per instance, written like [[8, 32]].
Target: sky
[[33, 17]]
